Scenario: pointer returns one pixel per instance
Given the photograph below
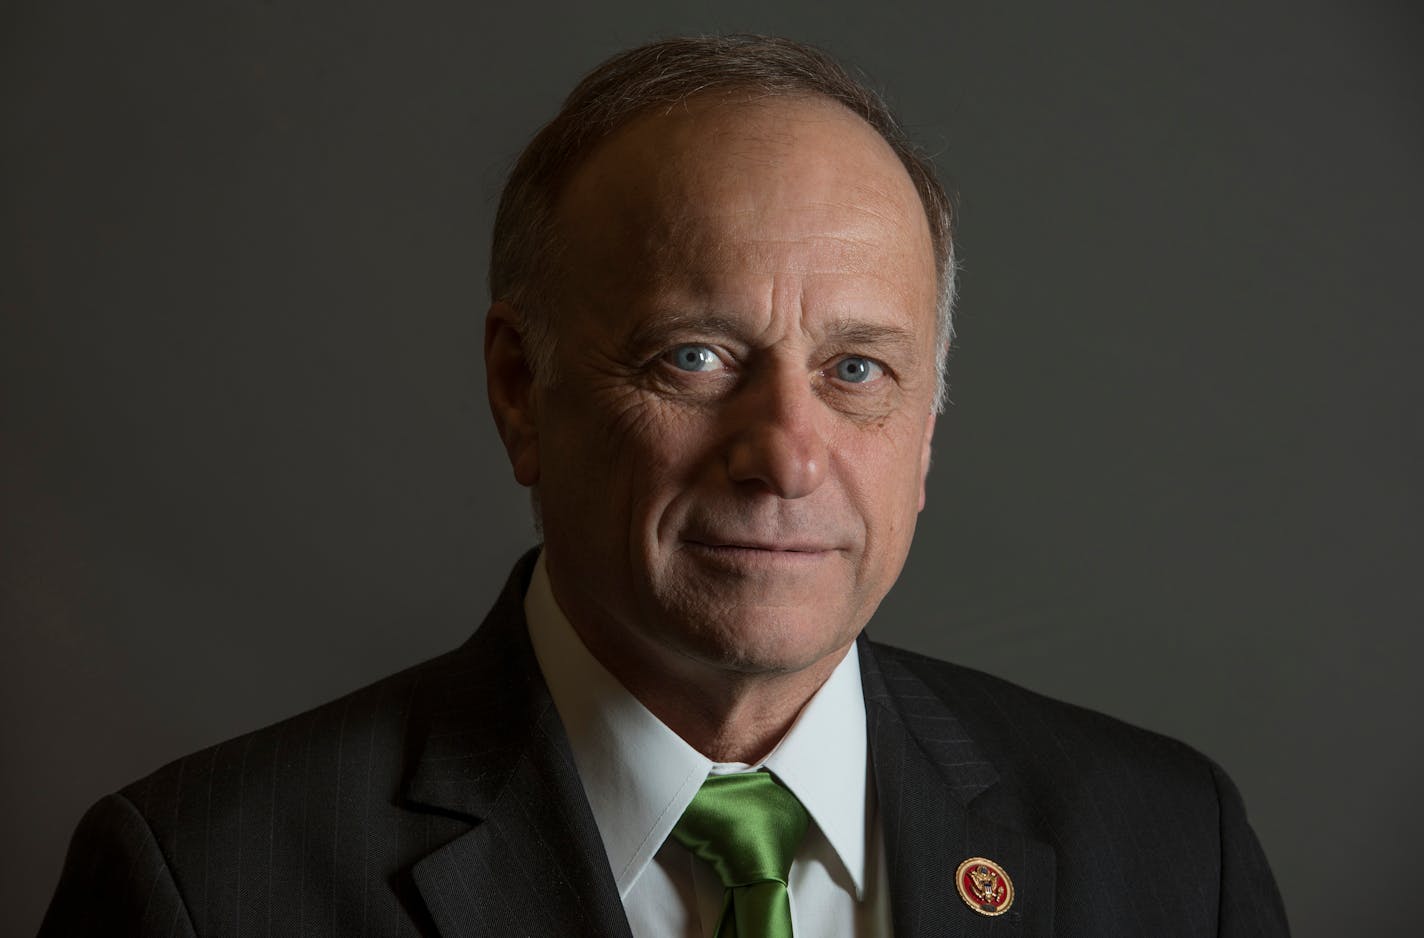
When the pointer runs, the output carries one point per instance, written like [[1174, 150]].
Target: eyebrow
[[858, 332], [659, 329], [662, 328]]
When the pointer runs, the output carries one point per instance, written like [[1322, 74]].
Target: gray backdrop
[[247, 463]]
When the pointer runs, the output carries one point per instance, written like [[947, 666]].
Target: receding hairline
[[900, 199]]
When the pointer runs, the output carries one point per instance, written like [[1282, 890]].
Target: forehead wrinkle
[[737, 233], [890, 212], [684, 275], [823, 253], [893, 216], [835, 320]]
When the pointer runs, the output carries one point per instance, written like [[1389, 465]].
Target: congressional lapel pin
[[984, 886]]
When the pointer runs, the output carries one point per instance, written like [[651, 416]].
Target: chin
[[764, 642]]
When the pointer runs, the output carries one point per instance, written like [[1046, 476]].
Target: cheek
[[648, 449], [880, 467]]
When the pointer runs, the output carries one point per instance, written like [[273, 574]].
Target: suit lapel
[[495, 753], [489, 749], [931, 781]]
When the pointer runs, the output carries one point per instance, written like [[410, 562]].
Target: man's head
[[722, 373]]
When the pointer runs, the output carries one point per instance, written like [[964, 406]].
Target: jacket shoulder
[[1050, 747], [360, 735], [362, 738]]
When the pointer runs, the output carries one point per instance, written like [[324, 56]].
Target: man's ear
[[510, 384], [925, 457]]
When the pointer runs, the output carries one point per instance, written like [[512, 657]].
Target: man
[[722, 281]]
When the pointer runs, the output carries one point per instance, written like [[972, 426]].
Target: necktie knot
[[748, 828]]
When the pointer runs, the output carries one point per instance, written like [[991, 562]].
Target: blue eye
[[856, 370], [694, 358]]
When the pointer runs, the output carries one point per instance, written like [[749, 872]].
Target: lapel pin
[[984, 886]]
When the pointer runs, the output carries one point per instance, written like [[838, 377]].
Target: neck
[[728, 715]]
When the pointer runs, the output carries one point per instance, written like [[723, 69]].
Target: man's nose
[[778, 439]]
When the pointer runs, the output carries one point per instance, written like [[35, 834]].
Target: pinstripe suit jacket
[[444, 801]]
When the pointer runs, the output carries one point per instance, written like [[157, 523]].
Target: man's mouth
[[752, 548]]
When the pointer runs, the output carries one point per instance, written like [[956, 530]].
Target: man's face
[[732, 454]]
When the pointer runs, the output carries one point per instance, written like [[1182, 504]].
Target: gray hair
[[665, 74]]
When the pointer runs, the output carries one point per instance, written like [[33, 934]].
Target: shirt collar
[[639, 775], [822, 759]]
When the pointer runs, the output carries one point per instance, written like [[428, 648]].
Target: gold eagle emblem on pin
[[984, 886]]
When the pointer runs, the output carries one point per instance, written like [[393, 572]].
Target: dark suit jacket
[[444, 801]]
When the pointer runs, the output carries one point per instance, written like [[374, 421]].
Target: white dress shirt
[[640, 776]]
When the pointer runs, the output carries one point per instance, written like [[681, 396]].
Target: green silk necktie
[[748, 827]]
